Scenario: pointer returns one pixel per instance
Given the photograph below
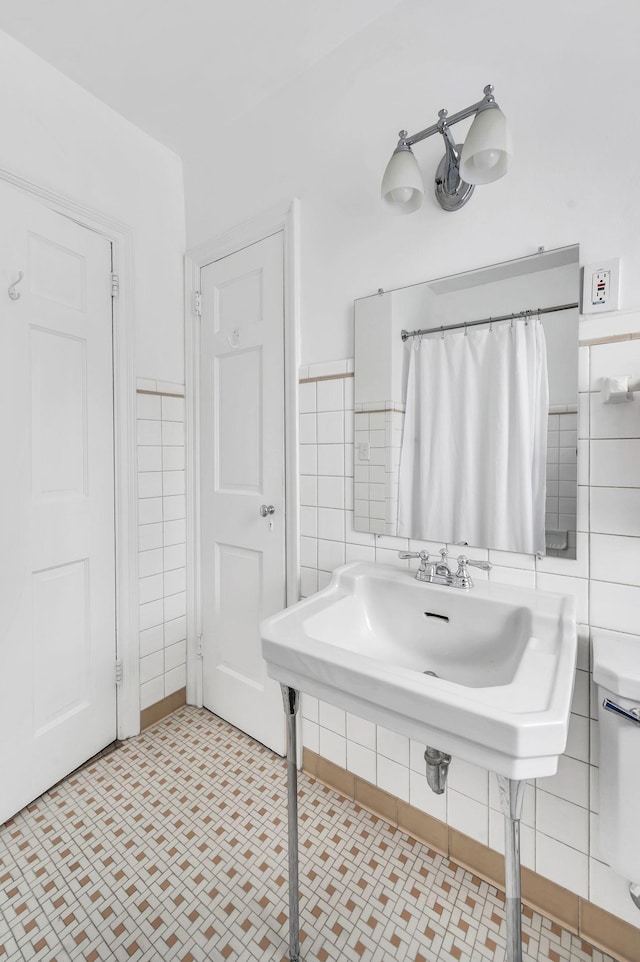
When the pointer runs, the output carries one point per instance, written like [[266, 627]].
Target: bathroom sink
[[485, 674]]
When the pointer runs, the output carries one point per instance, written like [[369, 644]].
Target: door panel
[[240, 300], [239, 576], [55, 273], [58, 414], [57, 568], [60, 626], [238, 407], [242, 467]]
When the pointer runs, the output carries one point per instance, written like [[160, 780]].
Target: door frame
[[124, 448], [284, 218]]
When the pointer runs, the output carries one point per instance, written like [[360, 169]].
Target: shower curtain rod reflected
[[405, 335]]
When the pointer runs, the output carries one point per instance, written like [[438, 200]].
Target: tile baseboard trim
[[611, 339], [325, 377], [595, 925], [381, 411], [155, 713], [608, 933], [157, 393]]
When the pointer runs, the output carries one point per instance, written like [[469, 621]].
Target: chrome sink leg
[[291, 701], [511, 799]]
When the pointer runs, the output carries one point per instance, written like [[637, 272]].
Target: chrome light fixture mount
[[484, 157]]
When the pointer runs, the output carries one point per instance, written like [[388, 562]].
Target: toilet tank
[[616, 672]]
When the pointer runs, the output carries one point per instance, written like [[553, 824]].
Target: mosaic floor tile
[[172, 848]]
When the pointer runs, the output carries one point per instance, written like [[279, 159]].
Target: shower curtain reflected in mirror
[[473, 460]]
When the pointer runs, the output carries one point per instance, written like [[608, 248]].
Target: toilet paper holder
[[631, 714], [618, 388]]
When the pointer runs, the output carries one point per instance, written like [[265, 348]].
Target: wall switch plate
[[601, 287]]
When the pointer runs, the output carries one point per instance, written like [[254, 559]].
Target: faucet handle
[[425, 570], [423, 555], [463, 562]]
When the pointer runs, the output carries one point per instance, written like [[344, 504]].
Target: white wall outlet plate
[[601, 287]]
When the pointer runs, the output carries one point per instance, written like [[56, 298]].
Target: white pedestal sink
[[503, 660]]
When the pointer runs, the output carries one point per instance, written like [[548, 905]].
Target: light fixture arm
[[444, 121], [452, 172]]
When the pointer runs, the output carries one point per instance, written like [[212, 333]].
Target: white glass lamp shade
[[402, 187], [487, 151]]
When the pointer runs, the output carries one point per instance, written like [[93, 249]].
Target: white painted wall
[[59, 136], [327, 139]]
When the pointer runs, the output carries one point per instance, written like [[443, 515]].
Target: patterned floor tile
[[172, 848]]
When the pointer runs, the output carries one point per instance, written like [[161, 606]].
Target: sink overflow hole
[[433, 614]]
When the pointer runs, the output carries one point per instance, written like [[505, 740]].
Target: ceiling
[[172, 65]]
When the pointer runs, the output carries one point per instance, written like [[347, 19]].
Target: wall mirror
[[536, 292]]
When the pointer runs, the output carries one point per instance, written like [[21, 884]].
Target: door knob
[[267, 509]]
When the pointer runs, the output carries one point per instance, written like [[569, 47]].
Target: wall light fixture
[[484, 157]]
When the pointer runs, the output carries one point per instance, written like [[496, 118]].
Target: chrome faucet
[[426, 570], [463, 578], [442, 567], [439, 572]]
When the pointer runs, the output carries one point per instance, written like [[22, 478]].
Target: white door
[[57, 577], [242, 468]]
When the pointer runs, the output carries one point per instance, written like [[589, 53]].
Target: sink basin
[[485, 674]]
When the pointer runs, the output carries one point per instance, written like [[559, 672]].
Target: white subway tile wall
[[378, 430], [561, 506], [559, 833], [161, 540], [377, 433]]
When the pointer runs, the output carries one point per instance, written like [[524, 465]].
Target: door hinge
[[199, 651], [115, 285], [197, 303], [119, 671]]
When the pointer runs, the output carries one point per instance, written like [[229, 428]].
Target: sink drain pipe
[[437, 768]]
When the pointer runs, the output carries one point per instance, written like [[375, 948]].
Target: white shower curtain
[[473, 460]]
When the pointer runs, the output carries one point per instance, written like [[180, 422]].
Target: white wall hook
[[13, 293]]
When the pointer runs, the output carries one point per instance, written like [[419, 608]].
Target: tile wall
[[378, 426], [561, 506], [560, 825], [161, 539], [378, 442]]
